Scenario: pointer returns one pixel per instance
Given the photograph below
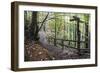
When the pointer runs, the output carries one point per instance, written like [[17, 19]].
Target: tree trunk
[[33, 26], [86, 35]]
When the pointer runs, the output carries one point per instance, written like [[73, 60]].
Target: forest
[[56, 35]]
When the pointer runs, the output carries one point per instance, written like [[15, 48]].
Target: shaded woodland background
[[56, 35]]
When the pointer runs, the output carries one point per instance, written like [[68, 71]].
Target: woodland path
[[36, 51]]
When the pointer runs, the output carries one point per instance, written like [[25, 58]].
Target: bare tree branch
[[43, 21]]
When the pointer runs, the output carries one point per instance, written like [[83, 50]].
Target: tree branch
[[43, 21]]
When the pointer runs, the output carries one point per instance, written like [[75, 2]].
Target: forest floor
[[36, 51]]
